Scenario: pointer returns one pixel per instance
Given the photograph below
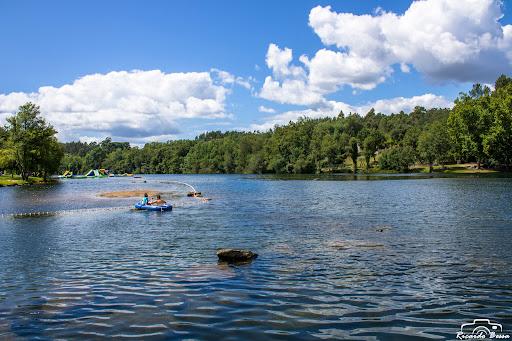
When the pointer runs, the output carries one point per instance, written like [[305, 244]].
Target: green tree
[[502, 82], [49, 154], [374, 141], [33, 142], [353, 152], [497, 141], [7, 159], [256, 163], [71, 162], [397, 158], [469, 122], [434, 144]]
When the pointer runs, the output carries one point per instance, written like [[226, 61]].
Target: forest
[[477, 129]]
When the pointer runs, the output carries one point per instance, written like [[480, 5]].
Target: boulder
[[235, 255]]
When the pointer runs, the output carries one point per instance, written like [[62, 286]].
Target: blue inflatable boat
[[166, 207]]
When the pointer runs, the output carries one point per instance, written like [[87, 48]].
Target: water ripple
[[341, 263]]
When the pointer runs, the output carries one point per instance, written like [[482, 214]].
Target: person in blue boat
[[145, 200], [159, 201]]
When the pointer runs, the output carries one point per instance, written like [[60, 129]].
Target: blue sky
[[218, 69]]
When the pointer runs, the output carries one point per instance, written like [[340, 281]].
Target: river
[[378, 258]]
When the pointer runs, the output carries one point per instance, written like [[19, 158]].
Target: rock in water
[[235, 255]]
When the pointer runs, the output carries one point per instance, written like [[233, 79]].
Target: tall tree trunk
[[430, 168]]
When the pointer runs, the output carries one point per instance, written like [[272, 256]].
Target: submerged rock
[[235, 255]]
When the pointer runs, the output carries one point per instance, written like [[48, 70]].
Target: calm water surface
[[387, 259]]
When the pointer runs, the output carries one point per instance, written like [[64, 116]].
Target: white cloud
[[329, 109], [223, 76], [278, 60], [397, 104], [443, 39], [288, 83], [265, 109], [227, 78], [290, 91], [333, 108], [328, 70], [131, 105], [405, 68], [243, 83]]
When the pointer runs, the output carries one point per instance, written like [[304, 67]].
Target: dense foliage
[[477, 129], [28, 144], [344, 143]]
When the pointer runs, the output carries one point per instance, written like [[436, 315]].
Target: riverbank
[[465, 168], [16, 180]]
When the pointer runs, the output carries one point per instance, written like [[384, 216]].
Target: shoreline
[[420, 170], [8, 181]]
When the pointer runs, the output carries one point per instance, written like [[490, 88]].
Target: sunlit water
[[387, 259]]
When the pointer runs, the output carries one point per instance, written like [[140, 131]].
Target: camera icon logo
[[481, 329]]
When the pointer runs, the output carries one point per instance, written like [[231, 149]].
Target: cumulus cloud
[[333, 108], [278, 60], [227, 78], [265, 109], [290, 91], [132, 105], [328, 70], [406, 104], [444, 40], [288, 83]]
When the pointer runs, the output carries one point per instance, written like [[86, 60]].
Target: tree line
[[339, 144], [477, 129]]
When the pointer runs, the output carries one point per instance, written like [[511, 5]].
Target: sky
[[144, 71]]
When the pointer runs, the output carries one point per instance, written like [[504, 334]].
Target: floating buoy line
[[41, 214], [35, 214]]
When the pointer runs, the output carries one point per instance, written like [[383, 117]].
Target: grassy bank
[[16, 180], [465, 168]]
